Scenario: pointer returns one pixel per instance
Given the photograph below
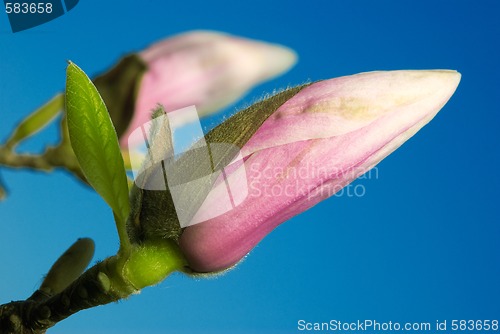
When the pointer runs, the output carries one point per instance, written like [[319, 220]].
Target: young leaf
[[68, 267], [95, 143], [36, 121]]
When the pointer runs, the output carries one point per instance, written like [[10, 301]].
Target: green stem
[[11, 159], [53, 157], [152, 261], [121, 228]]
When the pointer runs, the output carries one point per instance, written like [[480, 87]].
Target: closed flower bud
[[208, 69], [303, 151]]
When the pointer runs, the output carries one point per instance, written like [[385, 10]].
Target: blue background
[[422, 245]]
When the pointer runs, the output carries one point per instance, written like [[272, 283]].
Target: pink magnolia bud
[[317, 142], [207, 69]]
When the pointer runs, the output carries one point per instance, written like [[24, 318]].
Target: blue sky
[[422, 245]]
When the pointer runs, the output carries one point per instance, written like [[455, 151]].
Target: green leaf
[[36, 121], [95, 144]]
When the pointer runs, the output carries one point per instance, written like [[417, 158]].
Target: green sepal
[[119, 87]]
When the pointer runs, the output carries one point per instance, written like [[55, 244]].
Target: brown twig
[[40, 312]]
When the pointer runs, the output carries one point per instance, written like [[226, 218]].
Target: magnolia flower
[[207, 69], [318, 141]]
